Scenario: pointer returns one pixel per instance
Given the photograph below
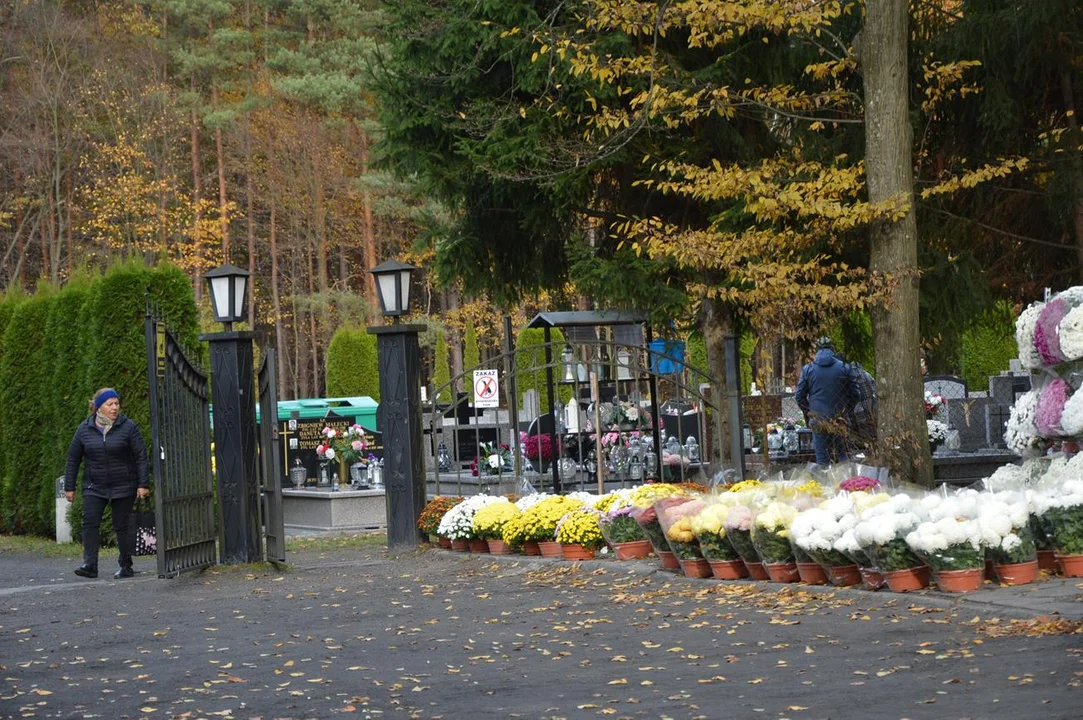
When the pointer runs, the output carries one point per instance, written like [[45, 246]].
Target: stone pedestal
[[339, 511]]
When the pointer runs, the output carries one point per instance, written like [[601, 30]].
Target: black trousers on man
[[93, 509]]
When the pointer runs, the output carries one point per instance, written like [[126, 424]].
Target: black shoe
[[87, 571], [124, 572]]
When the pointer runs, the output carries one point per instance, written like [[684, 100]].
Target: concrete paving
[[435, 634]]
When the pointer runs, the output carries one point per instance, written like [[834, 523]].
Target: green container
[[362, 410]]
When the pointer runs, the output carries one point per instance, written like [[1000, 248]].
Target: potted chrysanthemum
[[1065, 516], [675, 516], [881, 534], [1006, 536], [458, 523], [738, 526], [620, 530], [951, 546], [489, 524], [770, 535], [579, 533], [541, 520], [431, 515], [709, 528]]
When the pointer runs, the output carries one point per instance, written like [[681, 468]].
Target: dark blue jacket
[[825, 389], [116, 462]]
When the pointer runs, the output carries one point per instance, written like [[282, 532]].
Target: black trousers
[[93, 509]]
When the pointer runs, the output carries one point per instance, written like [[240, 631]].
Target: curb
[[958, 603]]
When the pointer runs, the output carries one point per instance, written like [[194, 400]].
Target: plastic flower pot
[[445, 543], [728, 569], [479, 545], [960, 581], [499, 547], [698, 568], [844, 575], [575, 551], [1047, 560], [756, 570], [669, 560], [550, 549], [907, 580], [530, 547], [782, 572], [1018, 573], [1071, 565], [811, 573], [872, 580], [634, 550]]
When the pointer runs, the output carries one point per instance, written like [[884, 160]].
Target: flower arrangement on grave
[[581, 526], [938, 432], [539, 447], [770, 532], [1021, 434], [1046, 338], [489, 521], [618, 526], [347, 446], [624, 415], [458, 522], [934, 403], [1070, 331], [1051, 403], [540, 520], [433, 512], [493, 460], [709, 529], [675, 516], [1025, 325]]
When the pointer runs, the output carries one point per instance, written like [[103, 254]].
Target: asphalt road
[[438, 635]]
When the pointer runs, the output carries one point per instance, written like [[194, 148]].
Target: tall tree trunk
[[276, 302], [717, 323], [223, 214], [313, 335], [48, 230], [1074, 149], [250, 213], [69, 194], [197, 198], [452, 304], [889, 167], [370, 234]]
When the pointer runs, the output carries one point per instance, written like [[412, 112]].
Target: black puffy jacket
[[116, 462]]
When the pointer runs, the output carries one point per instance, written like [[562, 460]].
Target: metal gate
[[270, 460], [181, 442]]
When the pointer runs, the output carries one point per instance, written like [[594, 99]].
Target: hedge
[[441, 373], [353, 364], [471, 353], [530, 365], [989, 346]]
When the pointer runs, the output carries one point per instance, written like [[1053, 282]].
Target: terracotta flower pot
[[445, 543], [756, 570], [728, 569], [907, 580], [634, 550], [960, 581], [811, 573], [460, 545], [782, 572], [550, 549], [1018, 573], [669, 560], [530, 547], [871, 579], [1071, 565], [698, 568], [1047, 560], [499, 547], [575, 551], [844, 575], [479, 545]]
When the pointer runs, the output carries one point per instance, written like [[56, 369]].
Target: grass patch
[[43, 547], [320, 543]]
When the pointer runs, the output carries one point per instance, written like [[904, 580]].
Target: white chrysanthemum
[[1070, 331], [589, 499], [1021, 434], [529, 501], [1006, 477], [1024, 336], [458, 522]]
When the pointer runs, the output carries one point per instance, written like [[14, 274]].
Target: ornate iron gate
[[270, 460], [181, 441]]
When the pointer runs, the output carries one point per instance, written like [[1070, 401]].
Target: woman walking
[[115, 473]]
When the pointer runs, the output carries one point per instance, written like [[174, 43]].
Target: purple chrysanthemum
[[1046, 336], [1051, 407]]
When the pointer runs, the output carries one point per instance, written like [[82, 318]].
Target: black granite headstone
[[967, 416], [299, 438]]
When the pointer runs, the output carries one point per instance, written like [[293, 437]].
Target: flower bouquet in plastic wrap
[[950, 541], [881, 535], [621, 530], [643, 499], [1064, 513], [1004, 518], [675, 516], [709, 528], [770, 535]]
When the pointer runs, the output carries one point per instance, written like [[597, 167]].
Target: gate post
[[399, 417], [234, 418]]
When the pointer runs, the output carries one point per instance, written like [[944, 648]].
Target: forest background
[[706, 162]]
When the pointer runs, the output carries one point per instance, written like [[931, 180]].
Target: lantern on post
[[393, 287], [624, 364], [229, 294], [567, 363]]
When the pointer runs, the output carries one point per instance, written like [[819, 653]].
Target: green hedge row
[[58, 347], [353, 368]]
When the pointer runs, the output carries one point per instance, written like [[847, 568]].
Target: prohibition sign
[[486, 389]]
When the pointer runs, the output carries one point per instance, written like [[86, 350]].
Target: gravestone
[[1002, 389], [967, 416], [996, 422], [529, 407], [947, 387], [790, 408], [298, 438]]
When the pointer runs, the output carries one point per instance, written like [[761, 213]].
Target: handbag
[[144, 528]]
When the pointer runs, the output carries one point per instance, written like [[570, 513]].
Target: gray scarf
[[103, 422]]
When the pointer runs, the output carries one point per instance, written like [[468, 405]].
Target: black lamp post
[[400, 406], [234, 399]]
